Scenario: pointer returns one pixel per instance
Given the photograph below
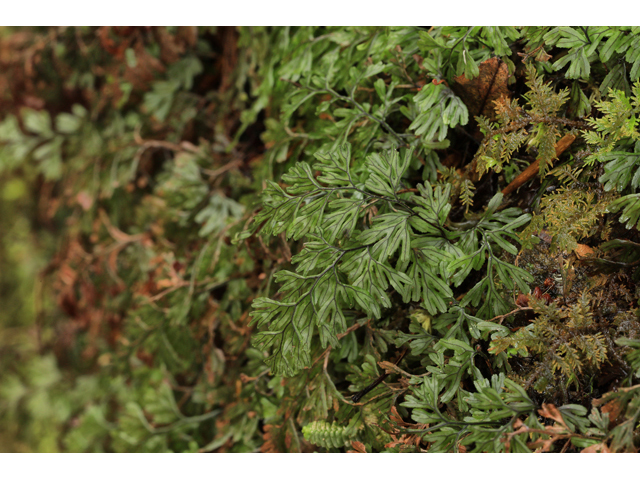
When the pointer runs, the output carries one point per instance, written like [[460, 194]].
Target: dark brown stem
[[358, 396]]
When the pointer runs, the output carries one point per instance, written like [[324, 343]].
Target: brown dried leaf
[[555, 430], [480, 93], [549, 410], [269, 445], [143, 73], [542, 444], [542, 56], [358, 447], [596, 448], [170, 47], [614, 409], [405, 442], [85, 200], [397, 419], [518, 428], [522, 300], [188, 35], [583, 250]]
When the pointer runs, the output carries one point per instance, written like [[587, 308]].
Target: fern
[[343, 264], [615, 47], [582, 46], [539, 125], [633, 354], [569, 215], [490, 414], [618, 123], [331, 435], [478, 244], [438, 109], [453, 51], [382, 279], [614, 136], [563, 340]]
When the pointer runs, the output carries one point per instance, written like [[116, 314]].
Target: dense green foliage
[[303, 239]]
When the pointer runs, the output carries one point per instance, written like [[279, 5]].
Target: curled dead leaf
[[85, 200], [614, 409], [358, 447], [583, 251], [480, 93], [549, 410]]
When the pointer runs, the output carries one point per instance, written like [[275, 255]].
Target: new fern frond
[[331, 435], [619, 121], [540, 124], [617, 144]]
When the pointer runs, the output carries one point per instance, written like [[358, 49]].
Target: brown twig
[[219, 171], [340, 336], [525, 56], [502, 317], [355, 398], [532, 169]]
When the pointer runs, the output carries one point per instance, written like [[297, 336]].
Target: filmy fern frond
[[407, 246]]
